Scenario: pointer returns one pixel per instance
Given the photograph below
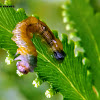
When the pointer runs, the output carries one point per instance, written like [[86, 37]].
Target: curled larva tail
[[22, 35]]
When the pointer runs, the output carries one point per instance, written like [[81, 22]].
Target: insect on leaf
[[68, 77]]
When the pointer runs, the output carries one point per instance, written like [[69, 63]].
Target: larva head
[[23, 67], [26, 64], [57, 47]]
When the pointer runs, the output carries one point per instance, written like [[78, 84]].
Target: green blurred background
[[13, 87]]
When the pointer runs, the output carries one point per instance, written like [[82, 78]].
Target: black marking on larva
[[59, 55]]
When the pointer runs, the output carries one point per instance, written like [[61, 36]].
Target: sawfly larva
[[22, 35]]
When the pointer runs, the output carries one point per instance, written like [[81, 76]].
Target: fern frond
[[68, 77]]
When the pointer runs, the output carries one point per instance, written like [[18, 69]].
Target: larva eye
[[59, 55]]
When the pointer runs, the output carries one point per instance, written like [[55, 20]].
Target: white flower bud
[[19, 73], [64, 13], [37, 82], [20, 10], [65, 19], [8, 60], [69, 27], [49, 93], [85, 61]]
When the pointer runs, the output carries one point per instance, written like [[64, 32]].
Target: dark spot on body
[[59, 55]]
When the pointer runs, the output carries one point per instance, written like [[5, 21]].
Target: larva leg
[[20, 57]]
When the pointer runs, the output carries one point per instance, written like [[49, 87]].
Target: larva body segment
[[22, 35]]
